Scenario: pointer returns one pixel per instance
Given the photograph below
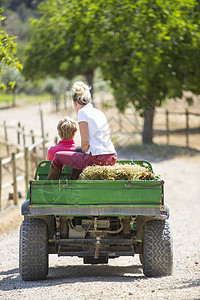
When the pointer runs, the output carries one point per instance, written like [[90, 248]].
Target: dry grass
[[117, 172]]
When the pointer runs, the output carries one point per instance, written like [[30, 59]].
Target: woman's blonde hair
[[81, 93], [67, 128]]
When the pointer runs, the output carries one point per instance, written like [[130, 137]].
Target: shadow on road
[[72, 274], [154, 152], [61, 275]]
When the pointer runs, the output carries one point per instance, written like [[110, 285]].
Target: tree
[[149, 51], [13, 81], [60, 42], [7, 53], [56, 87]]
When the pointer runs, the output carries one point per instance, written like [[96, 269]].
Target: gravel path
[[122, 278]]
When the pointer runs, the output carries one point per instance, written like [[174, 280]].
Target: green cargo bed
[[95, 197], [96, 192]]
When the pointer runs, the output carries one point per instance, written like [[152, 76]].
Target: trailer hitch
[[97, 245]]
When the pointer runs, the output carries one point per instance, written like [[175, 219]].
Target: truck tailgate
[[97, 192]]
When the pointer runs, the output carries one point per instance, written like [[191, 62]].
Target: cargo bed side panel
[[87, 193]]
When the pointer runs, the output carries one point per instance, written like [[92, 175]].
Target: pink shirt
[[63, 145]]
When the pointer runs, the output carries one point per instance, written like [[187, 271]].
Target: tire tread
[[157, 249], [33, 249]]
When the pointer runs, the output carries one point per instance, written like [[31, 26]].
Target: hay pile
[[117, 172]]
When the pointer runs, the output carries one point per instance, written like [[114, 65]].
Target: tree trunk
[[90, 77], [57, 103], [147, 134], [13, 98]]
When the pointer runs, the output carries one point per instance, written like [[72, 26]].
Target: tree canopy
[[148, 50], [7, 53], [57, 47]]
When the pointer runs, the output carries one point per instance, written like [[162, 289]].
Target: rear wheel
[[33, 249], [157, 249], [141, 258]]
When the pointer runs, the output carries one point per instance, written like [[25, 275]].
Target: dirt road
[[30, 119], [122, 278]]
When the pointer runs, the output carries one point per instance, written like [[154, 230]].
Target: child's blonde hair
[[67, 128], [81, 93]]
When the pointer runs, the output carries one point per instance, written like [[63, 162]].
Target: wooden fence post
[[42, 129], [0, 182], [26, 156], [18, 134], [15, 193], [33, 153], [167, 126], [6, 137], [46, 148], [187, 128], [24, 137], [33, 140]]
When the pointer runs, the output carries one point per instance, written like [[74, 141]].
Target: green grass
[[21, 99], [5, 98]]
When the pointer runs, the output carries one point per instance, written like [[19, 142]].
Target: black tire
[[33, 249], [157, 249], [141, 258]]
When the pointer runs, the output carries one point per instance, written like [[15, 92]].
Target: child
[[67, 128]]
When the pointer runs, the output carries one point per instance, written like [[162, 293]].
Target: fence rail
[[13, 160], [187, 127], [126, 126], [19, 150]]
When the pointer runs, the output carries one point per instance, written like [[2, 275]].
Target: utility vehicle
[[96, 220]]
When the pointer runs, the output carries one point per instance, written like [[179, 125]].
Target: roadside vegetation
[[23, 99]]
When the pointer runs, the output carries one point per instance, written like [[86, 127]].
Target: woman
[[95, 137]]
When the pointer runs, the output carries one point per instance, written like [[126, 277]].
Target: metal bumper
[[157, 212]]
